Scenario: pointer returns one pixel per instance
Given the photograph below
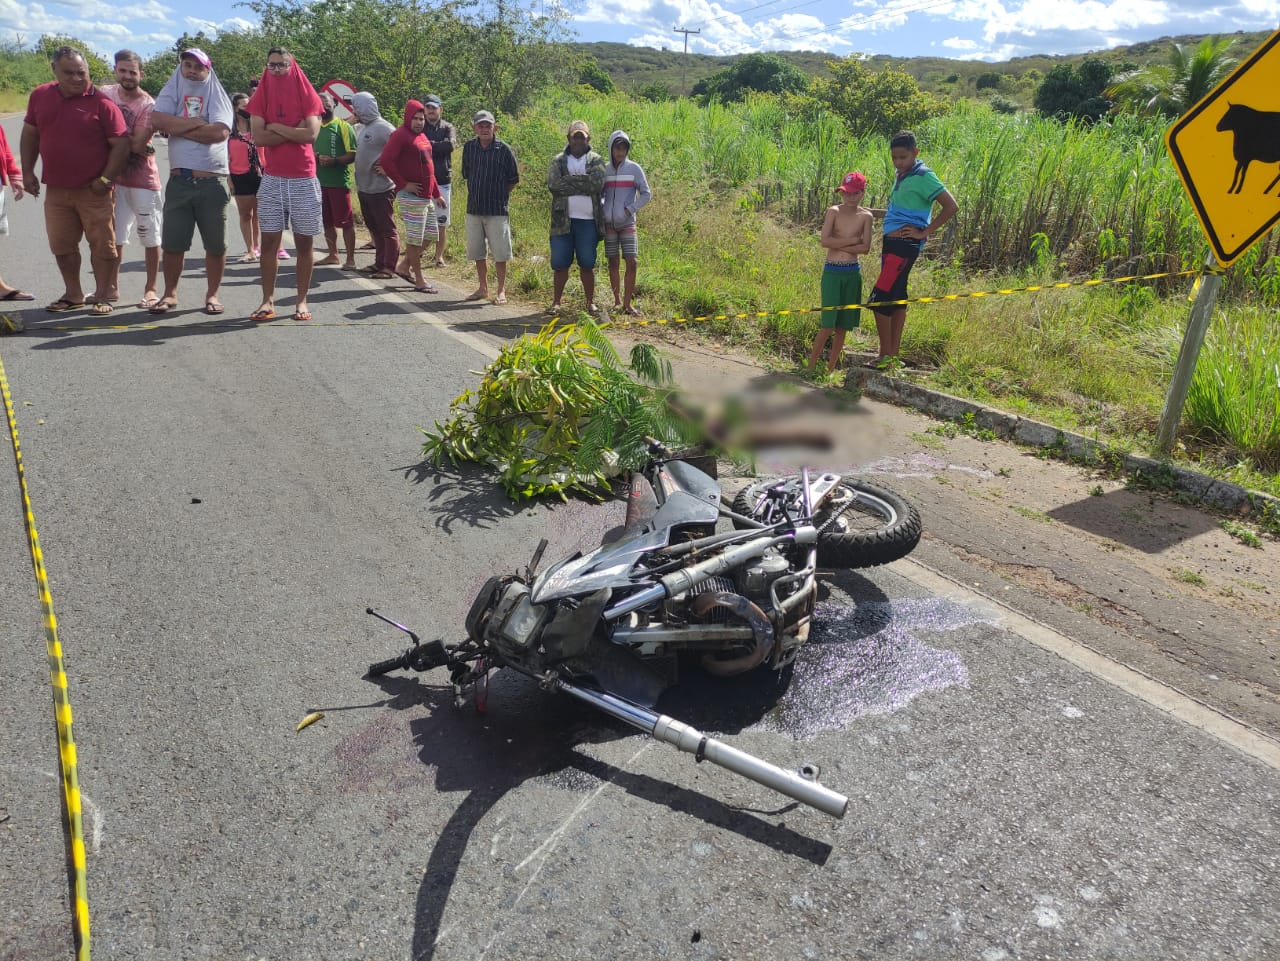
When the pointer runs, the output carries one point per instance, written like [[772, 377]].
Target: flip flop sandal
[[146, 303], [476, 296], [500, 299], [381, 275], [16, 294], [263, 313], [213, 309], [439, 263], [302, 315], [163, 306], [427, 289], [101, 309], [62, 305], [404, 276]]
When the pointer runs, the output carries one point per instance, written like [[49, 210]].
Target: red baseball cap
[[852, 183]]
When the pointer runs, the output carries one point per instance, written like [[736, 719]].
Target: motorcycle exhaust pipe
[[692, 741]]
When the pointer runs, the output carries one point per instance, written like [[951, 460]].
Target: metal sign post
[[1213, 145], [1188, 354]]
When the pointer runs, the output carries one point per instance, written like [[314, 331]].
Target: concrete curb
[[1219, 494]]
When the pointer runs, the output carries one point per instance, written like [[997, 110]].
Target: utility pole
[[684, 86]]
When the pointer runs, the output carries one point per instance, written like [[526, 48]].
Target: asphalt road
[[218, 502]]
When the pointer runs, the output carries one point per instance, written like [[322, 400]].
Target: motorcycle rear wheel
[[859, 524]]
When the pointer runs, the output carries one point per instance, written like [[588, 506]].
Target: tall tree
[[1169, 89], [874, 101], [760, 72], [477, 53], [1075, 93]]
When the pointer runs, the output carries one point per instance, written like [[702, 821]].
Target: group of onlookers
[[291, 163]]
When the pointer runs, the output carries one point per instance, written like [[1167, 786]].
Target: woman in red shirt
[[246, 175], [406, 159]]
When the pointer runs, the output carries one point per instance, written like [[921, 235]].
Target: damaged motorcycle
[[689, 580]]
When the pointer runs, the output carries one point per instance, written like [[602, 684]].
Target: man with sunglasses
[[285, 114]]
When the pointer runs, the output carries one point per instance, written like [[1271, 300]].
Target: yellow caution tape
[[73, 824], [528, 324]]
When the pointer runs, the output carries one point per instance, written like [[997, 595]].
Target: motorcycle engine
[[753, 579]]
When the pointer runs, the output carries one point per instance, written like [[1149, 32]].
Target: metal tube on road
[[692, 741]]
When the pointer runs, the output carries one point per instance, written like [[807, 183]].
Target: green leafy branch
[[558, 411]]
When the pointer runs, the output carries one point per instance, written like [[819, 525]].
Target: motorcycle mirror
[[399, 627]]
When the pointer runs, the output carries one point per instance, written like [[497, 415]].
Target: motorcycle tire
[[859, 525]]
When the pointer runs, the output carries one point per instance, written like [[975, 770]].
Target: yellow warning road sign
[[1227, 151]]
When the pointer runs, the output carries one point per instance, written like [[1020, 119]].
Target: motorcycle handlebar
[[421, 657], [391, 664]]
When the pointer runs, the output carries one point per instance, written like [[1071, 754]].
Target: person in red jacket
[[10, 175], [406, 159]]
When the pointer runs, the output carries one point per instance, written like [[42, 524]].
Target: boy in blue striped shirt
[[908, 222]]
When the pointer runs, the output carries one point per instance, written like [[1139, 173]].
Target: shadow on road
[[464, 494], [1141, 521], [528, 734]]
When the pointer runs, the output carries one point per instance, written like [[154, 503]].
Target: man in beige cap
[[576, 182]]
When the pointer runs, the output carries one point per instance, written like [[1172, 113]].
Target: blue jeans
[[580, 241]]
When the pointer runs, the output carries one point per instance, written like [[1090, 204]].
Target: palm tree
[[1169, 89]]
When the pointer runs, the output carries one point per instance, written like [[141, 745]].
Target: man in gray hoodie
[[625, 191], [377, 192]]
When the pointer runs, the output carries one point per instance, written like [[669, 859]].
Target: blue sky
[[961, 29]]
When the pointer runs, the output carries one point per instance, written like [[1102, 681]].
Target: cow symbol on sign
[[1257, 137]]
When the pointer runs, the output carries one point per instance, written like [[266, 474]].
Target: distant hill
[[631, 68]]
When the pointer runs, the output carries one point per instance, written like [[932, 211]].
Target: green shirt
[[335, 139]]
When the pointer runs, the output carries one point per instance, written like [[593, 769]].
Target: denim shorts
[[579, 242]]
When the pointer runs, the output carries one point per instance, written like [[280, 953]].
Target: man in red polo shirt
[[82, 142]]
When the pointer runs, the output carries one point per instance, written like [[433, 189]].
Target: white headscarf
[[200, 98]]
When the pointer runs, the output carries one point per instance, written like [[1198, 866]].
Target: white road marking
[[549, 844], [91, 807], [1185, 708]]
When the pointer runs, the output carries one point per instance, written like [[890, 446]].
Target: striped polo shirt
[[489, 174]]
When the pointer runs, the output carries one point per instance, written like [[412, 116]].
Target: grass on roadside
[[1039, 203]]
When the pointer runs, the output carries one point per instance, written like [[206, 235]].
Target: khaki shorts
[[496, 230], [74, 212]]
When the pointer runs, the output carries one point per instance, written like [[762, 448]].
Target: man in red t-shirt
[[284, 115], [82, 142]]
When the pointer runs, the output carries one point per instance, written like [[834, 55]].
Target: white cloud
[[980, 29], [103, 27]]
